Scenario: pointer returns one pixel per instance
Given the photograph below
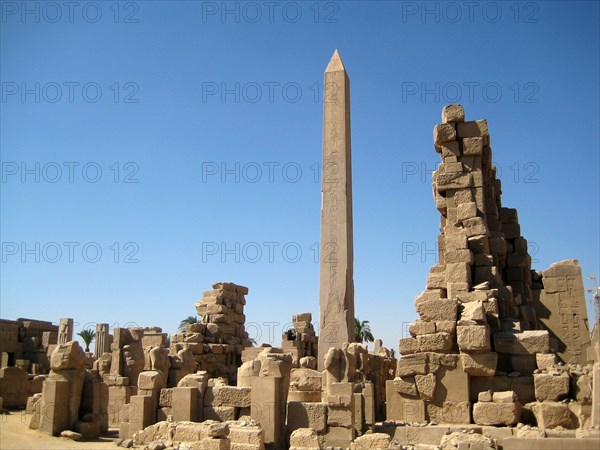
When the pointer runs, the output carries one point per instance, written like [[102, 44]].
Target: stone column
[[102, 340], [596, 385], [65, 330], [267, 407], [336, 292]]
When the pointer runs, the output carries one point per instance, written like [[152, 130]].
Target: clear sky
[[151, 148]]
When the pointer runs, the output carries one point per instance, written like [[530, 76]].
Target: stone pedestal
[[267, 408]]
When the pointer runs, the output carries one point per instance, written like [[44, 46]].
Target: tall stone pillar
[[102, 340], [336, 292], [65, 330]]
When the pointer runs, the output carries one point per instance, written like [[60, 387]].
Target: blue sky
[[152, 148]]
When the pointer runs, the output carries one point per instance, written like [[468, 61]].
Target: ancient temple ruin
[[490, 345], [500, 357]]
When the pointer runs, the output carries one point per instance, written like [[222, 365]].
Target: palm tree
[[363, 331], [87, 336], [187, 321]]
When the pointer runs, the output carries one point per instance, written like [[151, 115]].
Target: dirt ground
[[16, 435]]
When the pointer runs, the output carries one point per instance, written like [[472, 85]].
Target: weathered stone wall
[[25, 343]]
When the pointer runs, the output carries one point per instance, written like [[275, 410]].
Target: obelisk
[[336, 291]]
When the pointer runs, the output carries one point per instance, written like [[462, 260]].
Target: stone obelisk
[[336, 291]]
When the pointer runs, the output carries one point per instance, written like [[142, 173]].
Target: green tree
[[87, 336], [187, 321], [363, 331]]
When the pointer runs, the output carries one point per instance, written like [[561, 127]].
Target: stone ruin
[[72, 398], [218, 340], [496, 343], [500, 357], [26, 346]]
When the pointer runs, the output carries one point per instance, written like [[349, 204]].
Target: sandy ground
[[16, 435]]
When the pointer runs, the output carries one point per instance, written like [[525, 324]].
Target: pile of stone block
[[218, 340], [478, 327], [301, 340], [230, 435]]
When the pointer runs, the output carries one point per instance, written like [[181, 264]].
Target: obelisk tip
[[335, 63]]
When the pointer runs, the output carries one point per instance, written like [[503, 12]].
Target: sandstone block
[[408, 346], [437, 310], [304, 379], [473, 338], [523, 343], [453, 180], [426, 385], [371, 441], [67, 356], [457, 241], [443, 132], [304, 438], [480, 245], [151, 379], [436, 281], [466, 211], [551, 387], [459, 256], [406, 386], [480, 364], [185, 404], [451, 167], [454, 289], [340, 416], [450, 413], [430, 294], [475, 226], [227, 396], [453, 113], [436, 342], [306, 415], [473, 296], [412, 365], [504, 397], [166, 397], [304, 396], [219, 413], [450, 149], [485, 396], [445, 326], [553, 414], [472, 146], [472, 311], [545, 360], [215, 444], [421, 327], [477, 128], [504, 414], [458, 272]]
